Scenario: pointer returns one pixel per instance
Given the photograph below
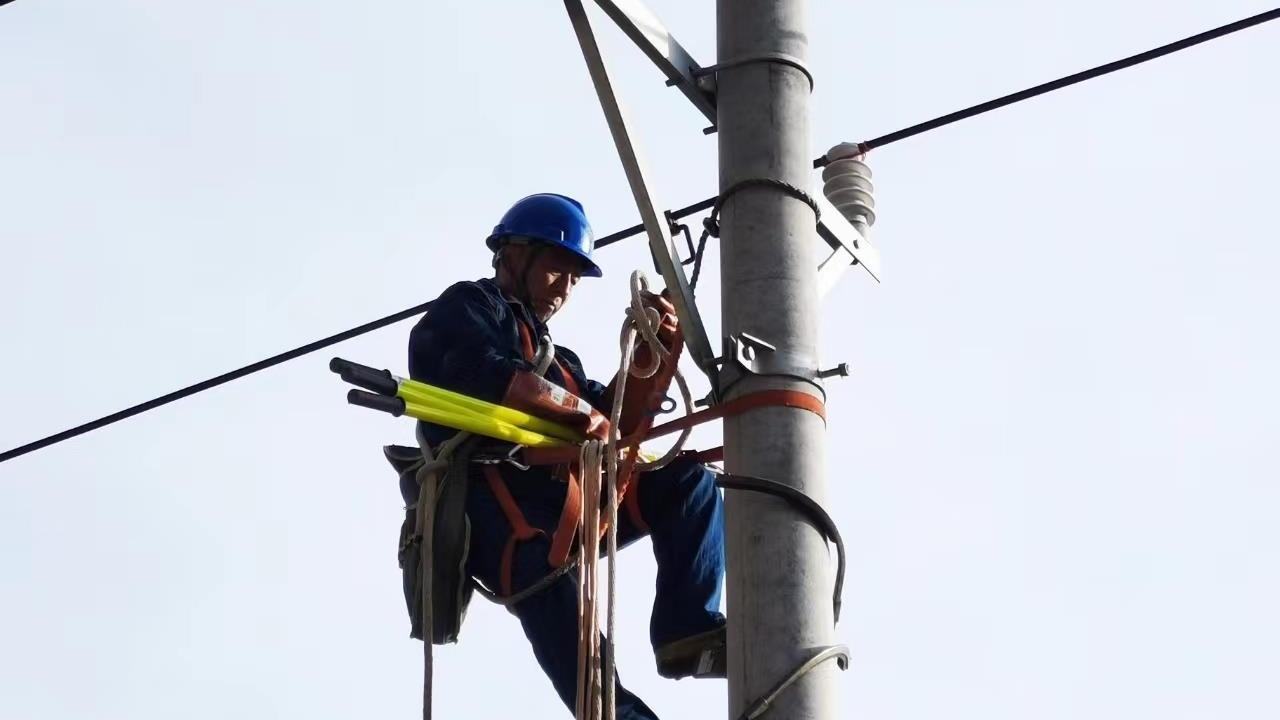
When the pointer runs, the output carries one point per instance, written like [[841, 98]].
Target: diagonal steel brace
[[655, 224], [645, 29]]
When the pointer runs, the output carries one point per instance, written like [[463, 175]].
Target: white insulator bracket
[[849, 212]]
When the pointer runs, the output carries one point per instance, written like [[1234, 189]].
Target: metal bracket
[[682, 71], [645, 29], [679, 229], [849, 246], [746, 354], [509, 458], [656, 226]]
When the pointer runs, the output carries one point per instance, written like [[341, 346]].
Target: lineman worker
[[479, 339]]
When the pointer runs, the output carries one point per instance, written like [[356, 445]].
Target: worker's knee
[[681, 486], [699, 482], [680, 475]]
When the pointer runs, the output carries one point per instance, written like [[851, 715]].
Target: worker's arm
[[463, 345], [460, 345], [543, 398]]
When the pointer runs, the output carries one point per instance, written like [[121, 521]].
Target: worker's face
[[548, 280]]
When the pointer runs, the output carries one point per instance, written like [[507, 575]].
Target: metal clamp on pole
[[707, 76], [746, 354]]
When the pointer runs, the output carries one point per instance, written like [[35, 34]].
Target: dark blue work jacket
[[469, 342]]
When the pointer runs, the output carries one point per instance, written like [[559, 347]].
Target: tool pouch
[[451, 585]]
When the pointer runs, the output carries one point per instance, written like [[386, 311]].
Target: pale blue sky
[[1054, 464]]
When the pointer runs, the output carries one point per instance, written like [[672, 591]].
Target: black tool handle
[[379, 381], [392, 405]]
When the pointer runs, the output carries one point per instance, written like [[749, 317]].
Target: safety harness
[[567, 468], [435, 537]]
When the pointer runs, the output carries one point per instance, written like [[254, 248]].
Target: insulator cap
[[847, 184]]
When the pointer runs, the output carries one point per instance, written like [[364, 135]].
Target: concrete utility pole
[[779, 575]]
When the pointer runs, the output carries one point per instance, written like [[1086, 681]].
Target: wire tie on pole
[[706, 76]]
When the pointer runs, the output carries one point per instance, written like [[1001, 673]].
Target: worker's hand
[[645, 395], [582, 418], [669, 321], [538, 396], [597, 426]]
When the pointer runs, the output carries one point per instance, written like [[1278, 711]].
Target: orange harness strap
[[737, 406], [521, 530], [746, 403], [563, 536], [767, 398], [570, 515], [628, 479], [526, 340], [631, 502]]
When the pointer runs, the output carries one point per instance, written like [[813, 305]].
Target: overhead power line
[[637, 229], [283, 357], [215, 381], [1063, 82]]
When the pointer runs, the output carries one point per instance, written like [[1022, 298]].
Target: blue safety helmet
[[552, 219]]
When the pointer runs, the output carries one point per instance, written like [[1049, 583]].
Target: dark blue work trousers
[[685, 514]]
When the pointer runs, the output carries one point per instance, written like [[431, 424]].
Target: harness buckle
[[509, 458]]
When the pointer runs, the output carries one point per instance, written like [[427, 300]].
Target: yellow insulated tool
[[414, 392], [401, 396], [462, 419]]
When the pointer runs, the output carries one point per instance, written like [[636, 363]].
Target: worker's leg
[[550, 621], [685, 514], [550, 617]]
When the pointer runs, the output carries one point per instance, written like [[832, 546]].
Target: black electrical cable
[[214, 382], [637, 229], [811, 509], [697, 259], [283, 357], [1060, 83]]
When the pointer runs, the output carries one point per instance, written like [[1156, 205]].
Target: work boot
[[704, 655]]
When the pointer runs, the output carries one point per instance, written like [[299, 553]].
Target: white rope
[[597, 686], [647, 325], [589, 701]]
